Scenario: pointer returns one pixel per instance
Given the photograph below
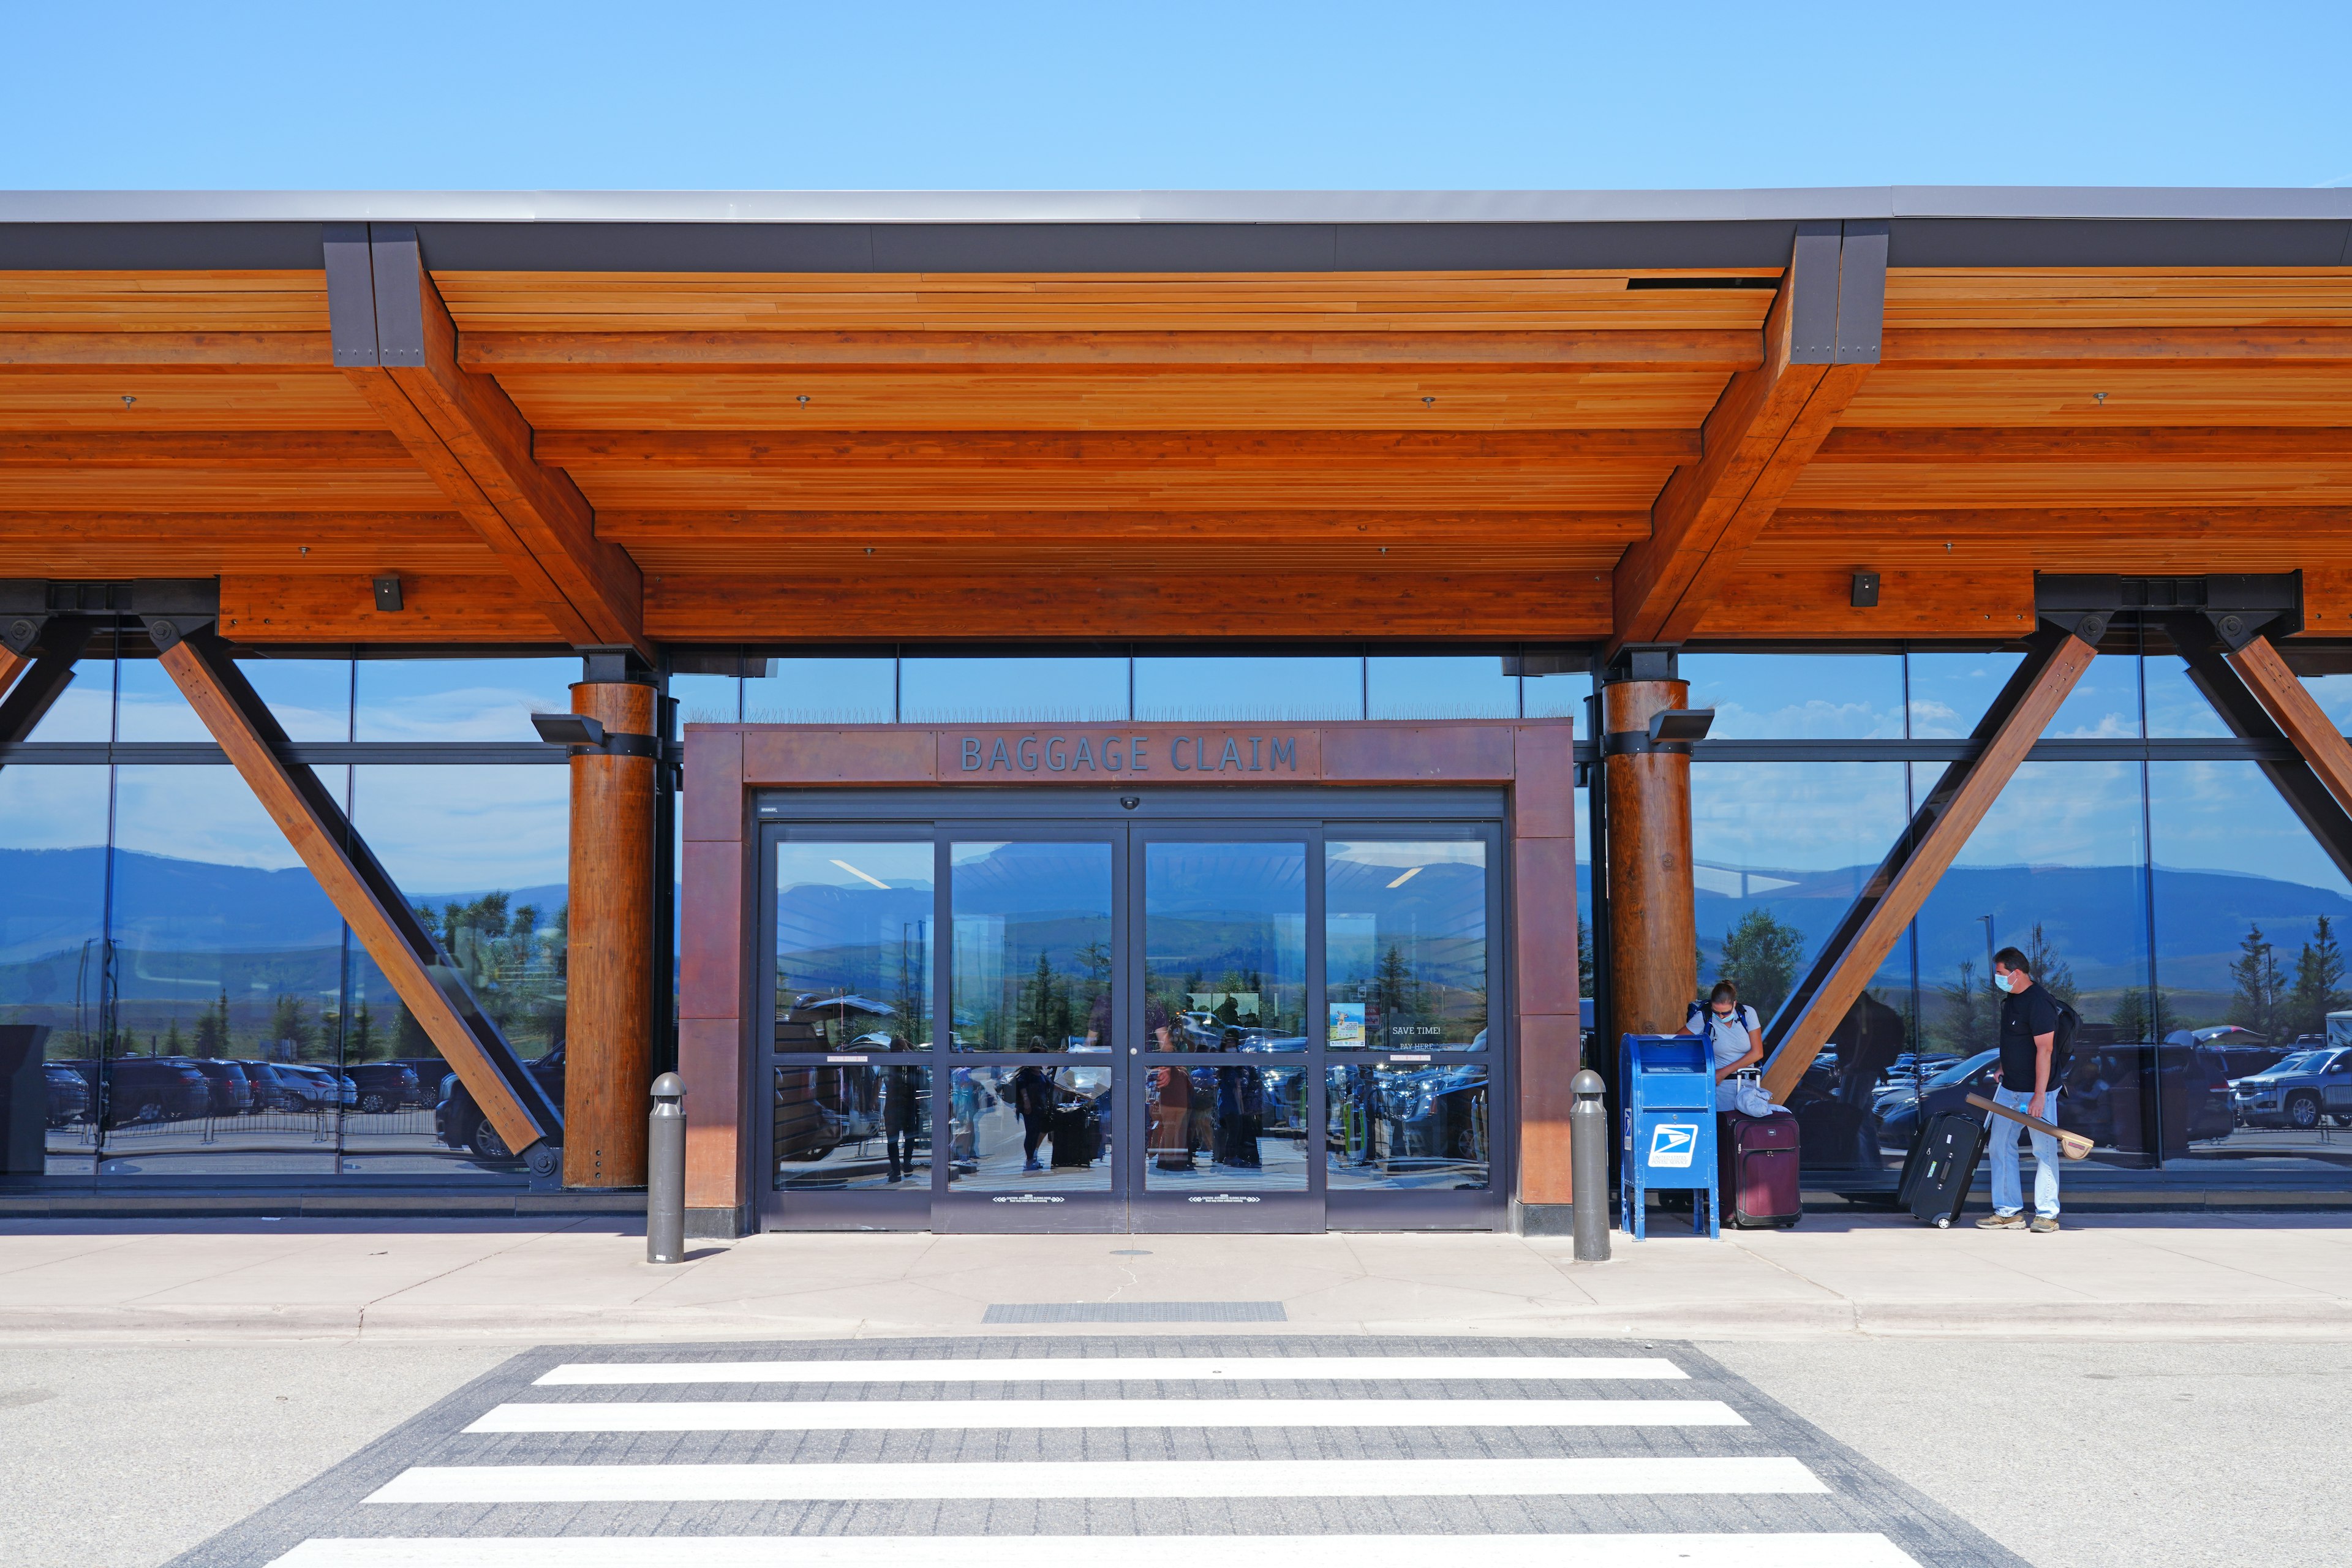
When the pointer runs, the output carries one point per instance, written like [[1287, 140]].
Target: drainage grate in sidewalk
[[1136, 1312]]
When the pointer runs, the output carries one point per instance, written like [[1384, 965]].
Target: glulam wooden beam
[[2092, 348], [2298, 714], [394, 341], [1933, 838], [2118, 444], [165, 350], [902, 451], [1633, 349], [1821, 340]]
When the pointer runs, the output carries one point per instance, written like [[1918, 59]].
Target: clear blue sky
[[360, 94]]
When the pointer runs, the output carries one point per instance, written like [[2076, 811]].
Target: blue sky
[[424, 94]]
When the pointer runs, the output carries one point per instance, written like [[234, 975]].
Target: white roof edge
[[2110, 203]]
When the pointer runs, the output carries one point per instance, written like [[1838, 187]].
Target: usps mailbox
[[1667, 1084]]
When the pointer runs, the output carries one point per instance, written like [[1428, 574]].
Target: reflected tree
[[2259, 985], [2041, 962], [1969, 1021], [2318, 988], [1761, 955]]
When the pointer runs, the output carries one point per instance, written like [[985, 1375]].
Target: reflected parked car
[[383, 1086], [148, 1090], [69, 1096], [429, 1072], [2298, 1091], [274, 1087], [459, 1123], [232, 1094]]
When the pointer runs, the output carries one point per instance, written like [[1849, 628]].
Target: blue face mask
[[2002, 979]]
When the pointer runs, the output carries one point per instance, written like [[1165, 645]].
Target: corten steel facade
[[2003, 533]]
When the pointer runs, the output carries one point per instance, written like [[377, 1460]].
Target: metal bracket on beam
[[1670, 733], [2238, 607]]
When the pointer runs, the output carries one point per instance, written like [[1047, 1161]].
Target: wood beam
[[840, 606], [1933, 839], [12, 665], [2094, 348], [903, 451], [347, 873], [2134, 445], [396, 341], [2298, 714], [1759, 435], [251, 350], [1698, 349], [435, 608], [256, 449]]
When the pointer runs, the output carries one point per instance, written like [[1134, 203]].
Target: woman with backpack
[[1734, 1037]]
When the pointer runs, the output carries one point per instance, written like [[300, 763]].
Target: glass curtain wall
[[2154, 875], [178, 995]]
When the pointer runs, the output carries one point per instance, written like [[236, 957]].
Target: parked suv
[[383, 1086], [148, 1088], [461, 1124], [69, 1096], [275, 1087], [231, 1095], [2299, 1091]]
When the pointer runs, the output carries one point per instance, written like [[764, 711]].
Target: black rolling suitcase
[[1940, 1167]]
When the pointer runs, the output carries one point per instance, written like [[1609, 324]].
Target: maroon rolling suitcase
[[1759, 1156]]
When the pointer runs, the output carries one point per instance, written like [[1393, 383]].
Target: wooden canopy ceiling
[[1587, 455]]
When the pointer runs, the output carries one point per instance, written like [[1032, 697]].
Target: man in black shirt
[[2029, 1034]]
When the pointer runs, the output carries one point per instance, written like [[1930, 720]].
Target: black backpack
[[2062, 1048]]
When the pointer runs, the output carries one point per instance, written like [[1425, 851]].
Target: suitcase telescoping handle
[[2071, 1145]]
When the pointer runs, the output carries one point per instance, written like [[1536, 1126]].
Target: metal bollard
[[1588, 1153], [666, 1172]]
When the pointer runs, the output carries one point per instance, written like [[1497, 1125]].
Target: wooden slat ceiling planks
[[273, 301], [161, 543], [2119, 297], [2204, 392]]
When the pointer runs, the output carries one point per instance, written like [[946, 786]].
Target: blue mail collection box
[[1666, 1086]]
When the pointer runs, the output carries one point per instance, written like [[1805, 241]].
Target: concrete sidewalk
[[2116, 1277]]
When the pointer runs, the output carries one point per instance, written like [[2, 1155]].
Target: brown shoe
[[2043, 1224], [2002, 1221]]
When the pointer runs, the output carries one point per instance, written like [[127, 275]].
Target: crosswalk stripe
[[969, 1415], [1097, 1479], [1684, 1550], [1091, 1368]]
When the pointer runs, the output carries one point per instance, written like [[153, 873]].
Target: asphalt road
[[2073, 1455]]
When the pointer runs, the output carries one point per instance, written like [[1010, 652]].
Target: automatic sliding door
[[1033, 1104], [1221, 1054]]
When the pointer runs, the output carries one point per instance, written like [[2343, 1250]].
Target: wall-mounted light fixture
[[388, 595]]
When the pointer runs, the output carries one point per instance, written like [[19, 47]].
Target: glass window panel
[[844, 1127], [2105, 703], [1033, 947], [820, 691], [310, 697], [1555, 696], [488, 699], [84, 711], [1034, 1127], [483, 854], [707, 699], [854, 946], [1776, 696], [2175, 706], [1225, 1128], [1407, 1128], [1225, 947], [228, 985], [1405, 947], [1950, 692], [2250, 918], [2056, 869], [1439, 686], [1225, 689], [52, 965], [1011, 690]]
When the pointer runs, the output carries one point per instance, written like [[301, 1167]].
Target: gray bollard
[[666, 1172], [1588, 1153]]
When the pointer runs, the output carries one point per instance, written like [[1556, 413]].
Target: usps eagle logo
[[1673, 1143]]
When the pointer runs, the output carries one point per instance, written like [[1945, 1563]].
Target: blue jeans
[[2006, 1198]]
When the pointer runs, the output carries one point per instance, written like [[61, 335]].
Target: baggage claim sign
[[1167, 753]]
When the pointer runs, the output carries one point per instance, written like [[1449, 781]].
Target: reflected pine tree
[[1761, 955], [2318, 988], [513, 961], [2259, 985], [1970, 1021]]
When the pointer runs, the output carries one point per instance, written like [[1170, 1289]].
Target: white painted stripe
[[1166, 1369], [966, 1415], [1663, 1551], [1097, 1479]]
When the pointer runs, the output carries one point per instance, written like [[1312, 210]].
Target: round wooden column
[[1653, 931], [609, 1032]]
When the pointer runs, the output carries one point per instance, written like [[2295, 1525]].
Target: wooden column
[[608, 1035], [1653, 930]]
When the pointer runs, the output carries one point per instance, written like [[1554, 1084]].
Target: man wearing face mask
[[2029, 1038]]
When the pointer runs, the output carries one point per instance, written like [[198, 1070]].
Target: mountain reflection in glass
[[1225, 947], [1404, 955], [1033, 946], [854, 946]]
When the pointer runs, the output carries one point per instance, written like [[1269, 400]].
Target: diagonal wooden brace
[[2298, 713], [419, 972], [1936, 834]]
